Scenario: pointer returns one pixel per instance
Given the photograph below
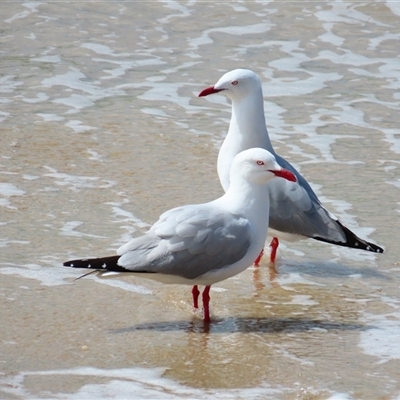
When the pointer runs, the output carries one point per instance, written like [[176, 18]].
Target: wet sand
[[103, 132]]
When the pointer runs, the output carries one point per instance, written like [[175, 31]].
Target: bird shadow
[[329, 269], [246, 325]]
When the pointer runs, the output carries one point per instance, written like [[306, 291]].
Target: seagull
[[295, 211], [202, 244]]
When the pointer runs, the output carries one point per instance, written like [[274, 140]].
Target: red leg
[[274, 247], [206, 304], [258, 259], [195, 293]]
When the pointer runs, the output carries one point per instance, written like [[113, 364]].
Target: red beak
[[285, 174], [209, 90]]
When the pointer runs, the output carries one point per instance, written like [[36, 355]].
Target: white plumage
[[206, 243]]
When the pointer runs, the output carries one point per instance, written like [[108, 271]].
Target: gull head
[[258, 166], [236, 84]]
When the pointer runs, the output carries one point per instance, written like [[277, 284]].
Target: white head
[[236, 84], [258, 166]]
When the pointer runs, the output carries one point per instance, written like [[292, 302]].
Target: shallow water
[[102, 130]]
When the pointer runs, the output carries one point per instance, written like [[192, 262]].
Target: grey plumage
[[188, 242], [295, 210]]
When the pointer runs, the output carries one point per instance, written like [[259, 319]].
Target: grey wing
[[191, 241], [144, 244], [296, 209]]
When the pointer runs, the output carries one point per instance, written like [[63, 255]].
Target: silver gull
[[206, 243], [295, 211]]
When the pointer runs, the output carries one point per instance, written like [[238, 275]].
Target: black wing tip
[[353, 241], [102, 264], [374, 248], [354, 244], [358, 243], [68, 264], [80, 263]]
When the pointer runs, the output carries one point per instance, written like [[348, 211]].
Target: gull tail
[[102, 264], [353, 241]]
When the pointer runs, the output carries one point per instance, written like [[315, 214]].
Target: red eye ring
[[234, 83], [259, 162]]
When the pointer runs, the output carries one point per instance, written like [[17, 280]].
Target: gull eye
[[234, 83], [259, 162]]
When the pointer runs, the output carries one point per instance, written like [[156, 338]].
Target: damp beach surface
[[102, 131]]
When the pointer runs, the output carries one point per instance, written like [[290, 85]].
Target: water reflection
[[329, 269]]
